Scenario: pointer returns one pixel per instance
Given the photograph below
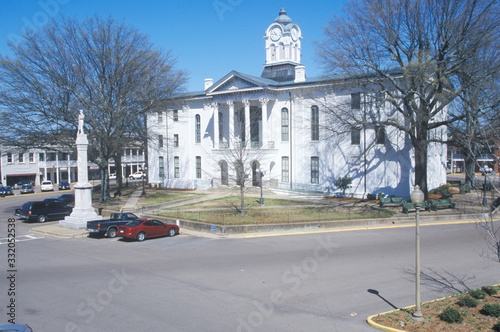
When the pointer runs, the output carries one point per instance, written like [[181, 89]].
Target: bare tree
[[413, 51], [106, 68], [237, 164]]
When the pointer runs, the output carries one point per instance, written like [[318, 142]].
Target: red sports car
[[140, 229]]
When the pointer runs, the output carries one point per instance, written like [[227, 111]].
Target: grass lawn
[[154, 197], [226, 211], [479, 318]]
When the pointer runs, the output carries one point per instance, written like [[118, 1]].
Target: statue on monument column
[[81, 116]]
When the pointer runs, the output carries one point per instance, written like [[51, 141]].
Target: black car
[[69, 199], [64, 185], [43, 211]]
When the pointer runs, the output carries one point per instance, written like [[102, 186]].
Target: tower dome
[[283, 18]]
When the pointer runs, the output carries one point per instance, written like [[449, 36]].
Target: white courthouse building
[[281, 120]]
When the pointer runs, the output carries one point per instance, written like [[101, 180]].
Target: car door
[[159, 228], [51, 210], [149, 228]]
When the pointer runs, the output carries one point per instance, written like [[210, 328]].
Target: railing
[[256, 144]]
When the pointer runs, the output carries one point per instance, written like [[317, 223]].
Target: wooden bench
[[446, 194], [407, 206], [391, 201], [442, 203]]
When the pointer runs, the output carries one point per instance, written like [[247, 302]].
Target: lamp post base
[[417, 316]]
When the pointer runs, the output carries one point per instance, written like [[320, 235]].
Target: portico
[[244, 121]]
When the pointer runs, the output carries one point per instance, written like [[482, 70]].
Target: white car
[[137, 175], [47, 186]]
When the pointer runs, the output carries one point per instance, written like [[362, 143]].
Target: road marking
[[21, 238]]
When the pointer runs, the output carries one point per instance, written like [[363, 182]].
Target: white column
[[231, 123], [265, 131], [215, 110], [246, 102]]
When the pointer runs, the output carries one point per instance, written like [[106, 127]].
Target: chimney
[[300, 73], [208, 82]]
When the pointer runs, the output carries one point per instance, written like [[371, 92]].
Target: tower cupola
[[283, 49]]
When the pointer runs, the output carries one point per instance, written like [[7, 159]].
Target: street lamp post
[[485, 200], [261, 196], [417, 198]]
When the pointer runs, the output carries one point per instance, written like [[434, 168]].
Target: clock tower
[[282, 49]]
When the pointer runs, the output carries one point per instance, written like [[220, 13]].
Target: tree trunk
[[118, 171], [104, 184], [470, 168], [421, 167], [242, 197]]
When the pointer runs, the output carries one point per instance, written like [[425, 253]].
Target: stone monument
[[83, 210]]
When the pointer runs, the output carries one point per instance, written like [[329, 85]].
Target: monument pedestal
[[83, 210]]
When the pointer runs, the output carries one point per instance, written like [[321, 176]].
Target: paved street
[[310, 282]]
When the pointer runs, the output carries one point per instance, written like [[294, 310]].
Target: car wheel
[[141, 236], [171, 232], [111, 232], [42, 218]]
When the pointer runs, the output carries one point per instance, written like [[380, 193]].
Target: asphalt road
[[311, 282]]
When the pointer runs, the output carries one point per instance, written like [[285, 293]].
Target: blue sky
[[209, 37]]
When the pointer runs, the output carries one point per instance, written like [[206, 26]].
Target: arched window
[[284, 124], [197, 128]]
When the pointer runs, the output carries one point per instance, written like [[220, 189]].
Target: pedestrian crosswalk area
[[21, 238]]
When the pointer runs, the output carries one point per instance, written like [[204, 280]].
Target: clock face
[[295, 34], [275, 34]]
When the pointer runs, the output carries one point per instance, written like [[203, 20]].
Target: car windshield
[[134, 222]]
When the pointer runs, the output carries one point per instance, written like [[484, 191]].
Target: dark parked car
[[6, 191], [69, 199], [27, 189], [43, 211], [140, 229], [64, 185], [20, 183]]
